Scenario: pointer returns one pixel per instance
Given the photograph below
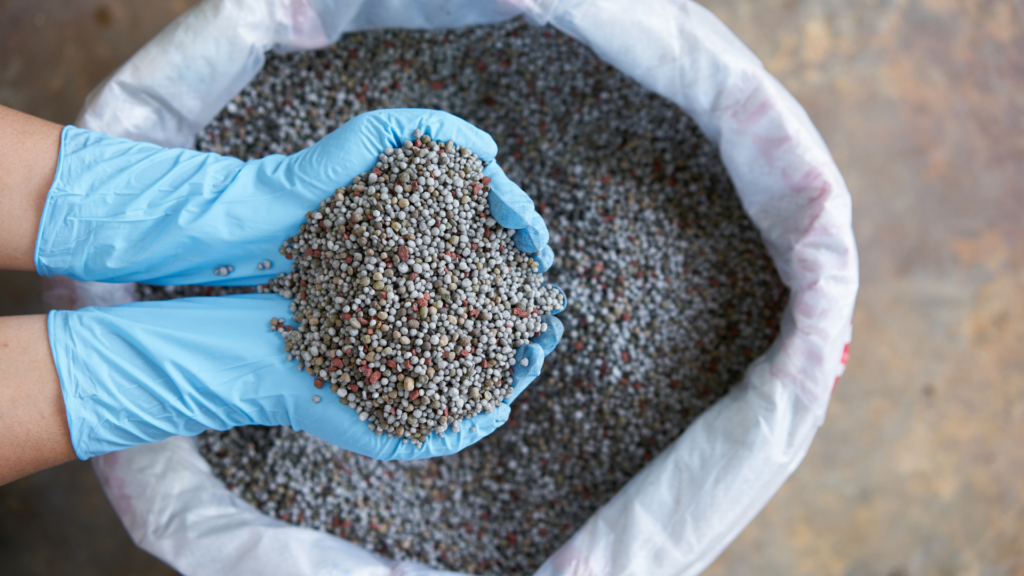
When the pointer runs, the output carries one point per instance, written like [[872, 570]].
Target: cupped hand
[[145, 371], [151, 370], [124, 211]]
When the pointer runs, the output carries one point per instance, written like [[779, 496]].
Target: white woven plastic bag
[[685, 507]]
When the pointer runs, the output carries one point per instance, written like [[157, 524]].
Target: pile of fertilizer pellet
[[411, 300], [671, 294]]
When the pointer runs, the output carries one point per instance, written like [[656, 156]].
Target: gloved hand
[[123, 211], [142, 372]]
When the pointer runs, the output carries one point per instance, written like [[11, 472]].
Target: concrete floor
[[919, 468]]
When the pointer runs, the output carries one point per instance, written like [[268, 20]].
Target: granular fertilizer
[[671, 294], [411, 300]]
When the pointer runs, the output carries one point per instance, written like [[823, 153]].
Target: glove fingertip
[[506, 214], [510, 206], [533, 236], [549, 339], [565, 299], [545, 258], [523, 375]]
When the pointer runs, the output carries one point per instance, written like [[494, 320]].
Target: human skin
[[34, 431], [28, 162]]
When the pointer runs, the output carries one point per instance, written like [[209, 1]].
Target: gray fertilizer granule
[[671, 294], [411, 301]]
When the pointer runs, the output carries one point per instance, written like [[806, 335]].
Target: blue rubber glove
[[124, 211], [142, 372]]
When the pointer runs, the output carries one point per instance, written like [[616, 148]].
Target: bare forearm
[[33, 424], [28, 161]]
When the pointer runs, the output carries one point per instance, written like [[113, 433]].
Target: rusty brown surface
[[919, 469]]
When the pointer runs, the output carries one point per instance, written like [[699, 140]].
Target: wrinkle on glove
[[512, 208]]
